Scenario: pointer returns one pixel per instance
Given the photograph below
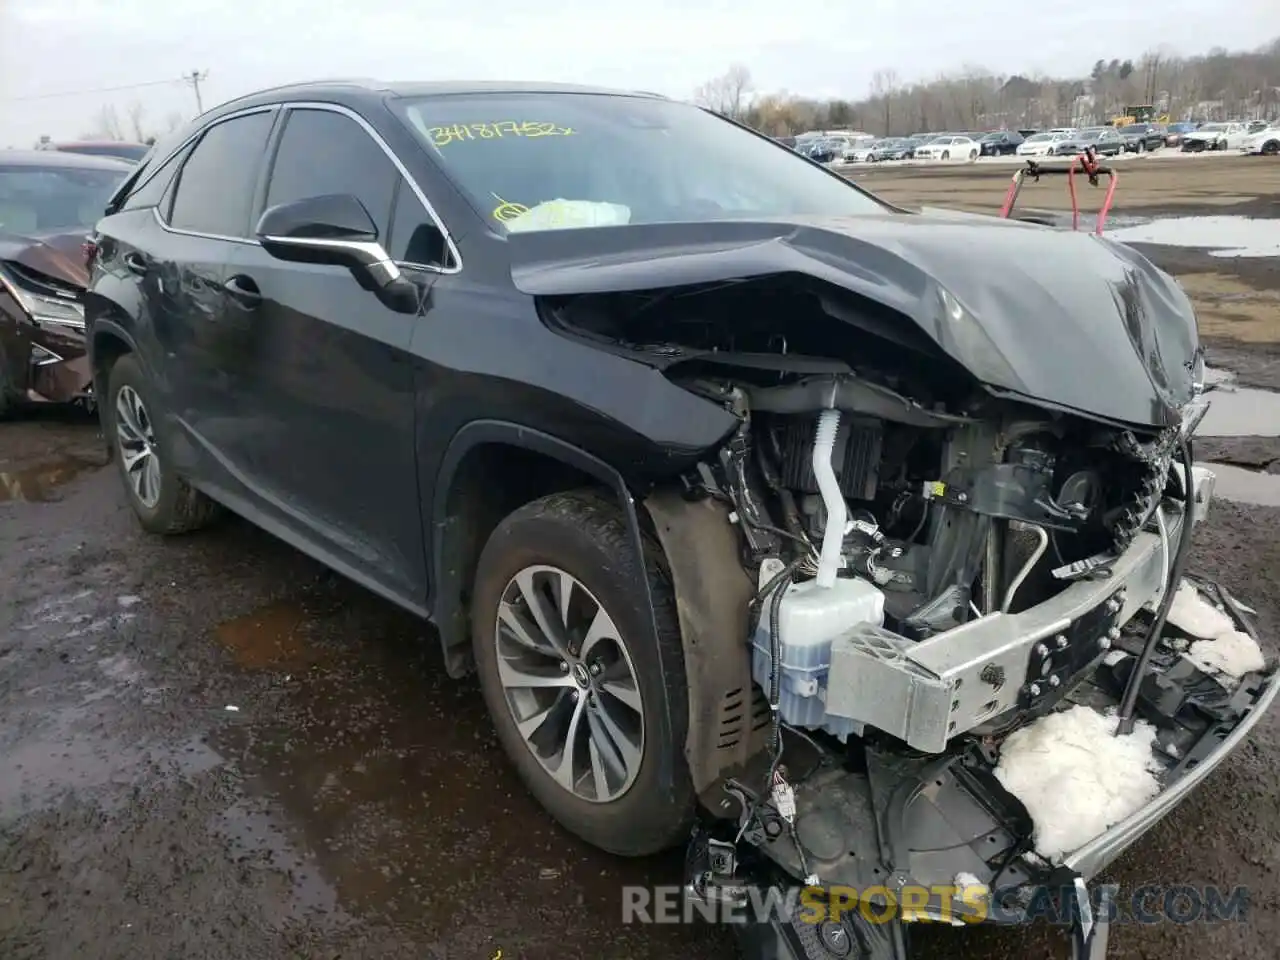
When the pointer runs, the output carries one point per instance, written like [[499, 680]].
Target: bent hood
[[1065, 319], [54, 254]]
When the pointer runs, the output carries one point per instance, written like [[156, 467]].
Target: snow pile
[[1076, 777], [1221, 650], [1193, 614]]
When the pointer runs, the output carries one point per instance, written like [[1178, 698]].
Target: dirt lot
[[213, 749]]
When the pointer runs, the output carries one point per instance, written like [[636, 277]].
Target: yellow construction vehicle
[[1142, 113]]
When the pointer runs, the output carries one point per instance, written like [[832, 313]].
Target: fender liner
[[729, 720], [447, 611]]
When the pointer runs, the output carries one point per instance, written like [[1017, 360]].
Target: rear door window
[[215, 189]]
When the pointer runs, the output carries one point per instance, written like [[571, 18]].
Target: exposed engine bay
[[937, 566]]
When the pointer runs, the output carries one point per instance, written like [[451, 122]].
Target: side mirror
[[336, 229]]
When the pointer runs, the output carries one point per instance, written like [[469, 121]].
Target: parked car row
[[1108, 141]]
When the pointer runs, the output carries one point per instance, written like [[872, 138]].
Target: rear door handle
[[243, 291], [136, 263]]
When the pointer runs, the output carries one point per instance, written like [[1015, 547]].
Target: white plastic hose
[[824, 442]]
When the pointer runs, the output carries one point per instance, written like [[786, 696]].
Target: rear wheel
[[973, 154], [1142, 146], [572, 679], [1271, 148], [162, 501], [946, 154]]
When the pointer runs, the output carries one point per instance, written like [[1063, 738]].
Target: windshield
[[1214, 126], [1041, 137], [36, 199], [545, 161]]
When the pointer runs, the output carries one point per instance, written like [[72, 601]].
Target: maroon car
[[48, 202], [121, 149]]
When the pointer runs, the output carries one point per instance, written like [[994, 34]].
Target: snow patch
[[1191, 613], [1231, 654], [1076, 777], [1221, 650]]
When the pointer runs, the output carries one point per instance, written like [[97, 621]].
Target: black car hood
[[1065, 319]]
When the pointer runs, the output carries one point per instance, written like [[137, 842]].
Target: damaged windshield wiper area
[[955, 596]]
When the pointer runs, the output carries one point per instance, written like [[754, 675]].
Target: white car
[[1045, 144], [1265, 141], [1216, 136], [950, 148]]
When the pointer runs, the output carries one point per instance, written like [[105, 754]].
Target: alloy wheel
[[136, 440], [569, 683]]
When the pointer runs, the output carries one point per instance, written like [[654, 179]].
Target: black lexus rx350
[[690, 448]]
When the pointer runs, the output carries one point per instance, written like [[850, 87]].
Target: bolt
[[1061, 641], [1035, 689], [1113, 633], [962, 497], [1041, 650], [1054, 681], [595, 669], [573, 694], [564, 666], [1104, 643]]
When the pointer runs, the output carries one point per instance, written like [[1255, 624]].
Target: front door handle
[[243, 291], [136, 263]]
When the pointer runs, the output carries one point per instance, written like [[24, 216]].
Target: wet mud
[[212, 748]]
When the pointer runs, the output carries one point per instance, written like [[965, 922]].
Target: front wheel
[[1271, 148], [1142, 147], [590, 711], [973, 154], [162, 501], [946, 154]]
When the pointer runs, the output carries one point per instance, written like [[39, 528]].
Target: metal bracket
[[1089, 933]]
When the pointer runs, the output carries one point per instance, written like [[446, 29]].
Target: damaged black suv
[[753, 501]]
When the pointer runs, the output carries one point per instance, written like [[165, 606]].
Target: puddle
[[1223, 236], [1245, 486], [272, 637], [1241, 412], [40, 483]]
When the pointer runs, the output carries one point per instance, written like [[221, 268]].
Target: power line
[[85, 93]]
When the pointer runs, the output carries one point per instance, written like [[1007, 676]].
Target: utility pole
[[193, 78]]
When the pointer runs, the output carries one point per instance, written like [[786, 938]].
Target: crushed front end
[[994, 569], [939, 560], [42, 341]]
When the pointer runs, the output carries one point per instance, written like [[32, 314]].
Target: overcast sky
[[58, 57]]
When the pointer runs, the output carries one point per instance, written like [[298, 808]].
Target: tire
[[584, 535], [973, 155], [1142, 146], [164, 503], [1271, 148], [946, 154]]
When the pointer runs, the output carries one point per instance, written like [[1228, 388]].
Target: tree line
[[1218, 85]]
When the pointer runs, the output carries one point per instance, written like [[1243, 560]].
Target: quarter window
[[154, 186], [216, 186]]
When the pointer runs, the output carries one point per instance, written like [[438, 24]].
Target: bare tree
[[884, 84], [728, 94], [136, 111], [108, 126]]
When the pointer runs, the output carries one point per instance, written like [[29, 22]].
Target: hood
[[54, 254], [1204, 135], [1060, 318]]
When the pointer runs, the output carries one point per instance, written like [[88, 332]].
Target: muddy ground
[[213, 749]]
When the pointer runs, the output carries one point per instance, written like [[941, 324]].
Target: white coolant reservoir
[[812, 616]]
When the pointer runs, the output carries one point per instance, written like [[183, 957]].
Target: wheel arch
[[466, 507], [108, 343], [728, 718]]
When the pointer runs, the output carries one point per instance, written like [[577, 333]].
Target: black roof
[[56, 158], [357, 88]]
